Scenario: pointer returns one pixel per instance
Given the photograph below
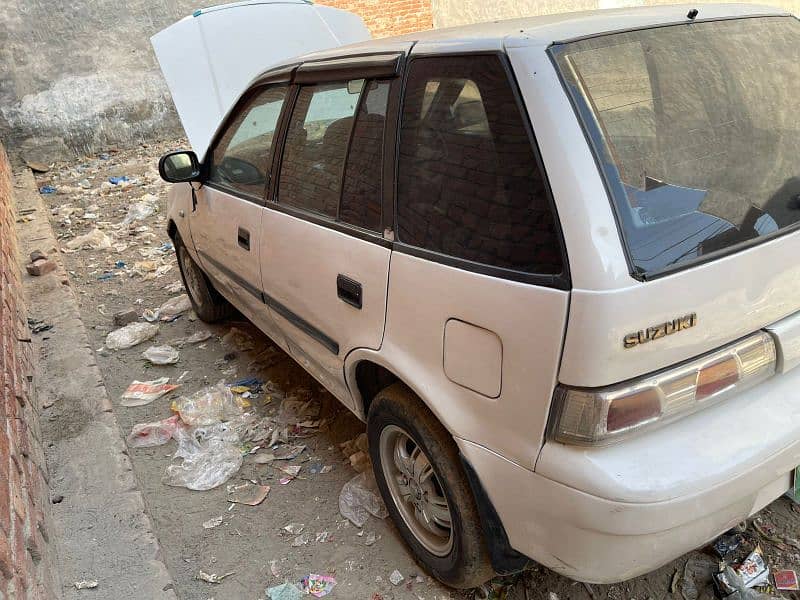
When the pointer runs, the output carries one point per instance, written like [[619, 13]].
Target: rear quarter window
[[697, 130], [469, 184]]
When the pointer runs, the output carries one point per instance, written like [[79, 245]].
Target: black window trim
[[382, 65], [232, 115], [561, 281], [592, 134]]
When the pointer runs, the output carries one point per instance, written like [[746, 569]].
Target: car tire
[[207, 302], [400, 427]]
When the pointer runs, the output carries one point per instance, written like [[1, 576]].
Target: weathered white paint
[[450, 13]]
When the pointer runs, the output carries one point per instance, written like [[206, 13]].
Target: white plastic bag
[[147, 206], [208, 406], [130, 335], [145, 435], [174, 307], [210, 456], [359, 499], [94, 239], [161, 355]]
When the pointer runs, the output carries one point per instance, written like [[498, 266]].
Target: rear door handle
[[349, 290], [243, 237]]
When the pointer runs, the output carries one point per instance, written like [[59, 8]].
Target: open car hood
[[210, 57]]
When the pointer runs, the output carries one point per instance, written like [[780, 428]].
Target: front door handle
[[349, 290], [243, 238]]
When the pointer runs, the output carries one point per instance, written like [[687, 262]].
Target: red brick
[[389, 17], [6, 561]]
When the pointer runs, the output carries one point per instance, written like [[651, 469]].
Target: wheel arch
[[369, 371], [366, 371], [172, 230]]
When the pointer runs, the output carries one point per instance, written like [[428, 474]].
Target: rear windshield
[[697, 130]]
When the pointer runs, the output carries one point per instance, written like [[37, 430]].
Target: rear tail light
[[601, 416]]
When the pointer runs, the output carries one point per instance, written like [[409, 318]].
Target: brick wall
[[389, 17], [23, 479]]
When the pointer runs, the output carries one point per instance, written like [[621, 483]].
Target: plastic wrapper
[[95, 239], [210, 456], [284, 591], [139, 211], [140, 393], [754, 570], [208, 406], [130, 335], [317, 585], [731, 586], [359, 499], [146, 435], [161, 355], [174, 307]]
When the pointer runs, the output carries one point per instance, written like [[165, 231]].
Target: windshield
[[697, 129]]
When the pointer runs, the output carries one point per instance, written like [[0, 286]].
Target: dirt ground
[[138, 271]]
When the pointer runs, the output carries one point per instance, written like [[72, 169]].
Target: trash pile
[[310, 585], [215, 430], [76, 194], [743, 571]]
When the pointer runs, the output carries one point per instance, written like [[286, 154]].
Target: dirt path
[[139, 272]]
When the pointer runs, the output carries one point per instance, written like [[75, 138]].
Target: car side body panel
[[528, 320], [179, 205], [300, 263]]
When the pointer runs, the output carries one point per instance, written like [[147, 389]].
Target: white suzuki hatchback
[[551, 262]]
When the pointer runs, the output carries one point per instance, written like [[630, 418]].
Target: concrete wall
[[78, 77], [449, 13], [25, 554]]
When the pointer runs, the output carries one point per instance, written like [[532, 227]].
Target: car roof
[[547, 29]]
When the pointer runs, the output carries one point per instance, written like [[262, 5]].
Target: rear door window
[[696, 129], [333, 158], [240, 158], [361, 190], [316, 146], [469, 184]]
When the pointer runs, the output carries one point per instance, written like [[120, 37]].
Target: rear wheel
[[417, 467], [207, 302]]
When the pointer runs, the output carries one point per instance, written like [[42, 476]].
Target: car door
[[324, 260], [226, 217]]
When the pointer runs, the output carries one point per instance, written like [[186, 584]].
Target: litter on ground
[[359, 499], [161, 355], [317, 585], [86, 584], [141, 393], [285, 591], [248, 493], [211, 523], [130, 335], [213, 577], [145, 435], [396, 577]]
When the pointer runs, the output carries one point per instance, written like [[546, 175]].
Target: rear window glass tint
[[316, 146], [696, 127], [361, 190], [469, 185]]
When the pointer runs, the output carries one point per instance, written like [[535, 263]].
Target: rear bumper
[[603, 515], [596, 540]]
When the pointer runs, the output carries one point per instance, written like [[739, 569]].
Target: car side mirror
[[180, 166]]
